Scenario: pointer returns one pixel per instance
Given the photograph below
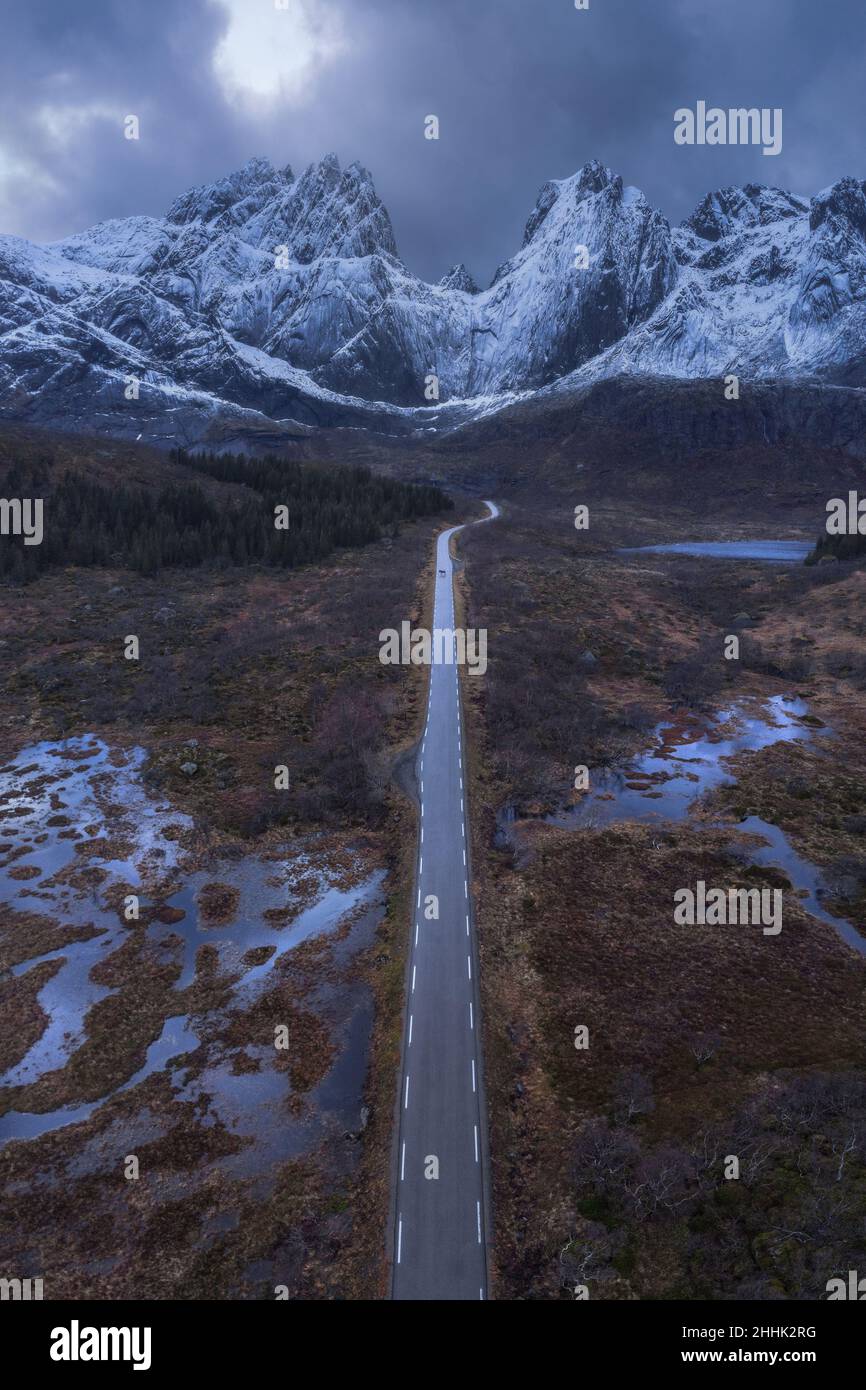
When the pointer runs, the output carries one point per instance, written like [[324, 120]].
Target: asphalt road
[[440, 1246]]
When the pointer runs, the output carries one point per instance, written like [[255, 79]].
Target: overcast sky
[[525, 90]]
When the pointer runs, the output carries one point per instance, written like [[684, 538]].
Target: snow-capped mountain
[[262, 302]]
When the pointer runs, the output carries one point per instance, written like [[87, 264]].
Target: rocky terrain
[[263, 304]]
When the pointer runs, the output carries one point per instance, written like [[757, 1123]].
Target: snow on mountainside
[[266, 301]]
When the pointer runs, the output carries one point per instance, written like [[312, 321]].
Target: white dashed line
[[442, 596]]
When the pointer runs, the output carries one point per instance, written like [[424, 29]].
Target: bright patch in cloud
[[20, 179], [62, 124], [268, 53]]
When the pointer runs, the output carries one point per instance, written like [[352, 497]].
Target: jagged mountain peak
[[592, 178], [250, 186], [733, 209], [458, 278], [327, 211], [844, 202], [325, 178], [265, 292], [324, 173]]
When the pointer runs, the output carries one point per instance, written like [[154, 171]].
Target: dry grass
[[578, 929]]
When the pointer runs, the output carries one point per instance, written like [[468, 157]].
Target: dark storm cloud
[[525, 90]]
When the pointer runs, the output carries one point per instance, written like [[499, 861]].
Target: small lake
[[772, 552], [687, 760]]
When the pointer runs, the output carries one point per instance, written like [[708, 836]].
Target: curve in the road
[[440, 1219]]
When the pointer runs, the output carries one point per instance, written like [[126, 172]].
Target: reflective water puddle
[[773, 552], [689, 759], [57, 798], [686, 761]]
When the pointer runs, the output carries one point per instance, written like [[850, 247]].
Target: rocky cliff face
[[262, 300]]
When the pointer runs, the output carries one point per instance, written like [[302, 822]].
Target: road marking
[[442, 600]]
